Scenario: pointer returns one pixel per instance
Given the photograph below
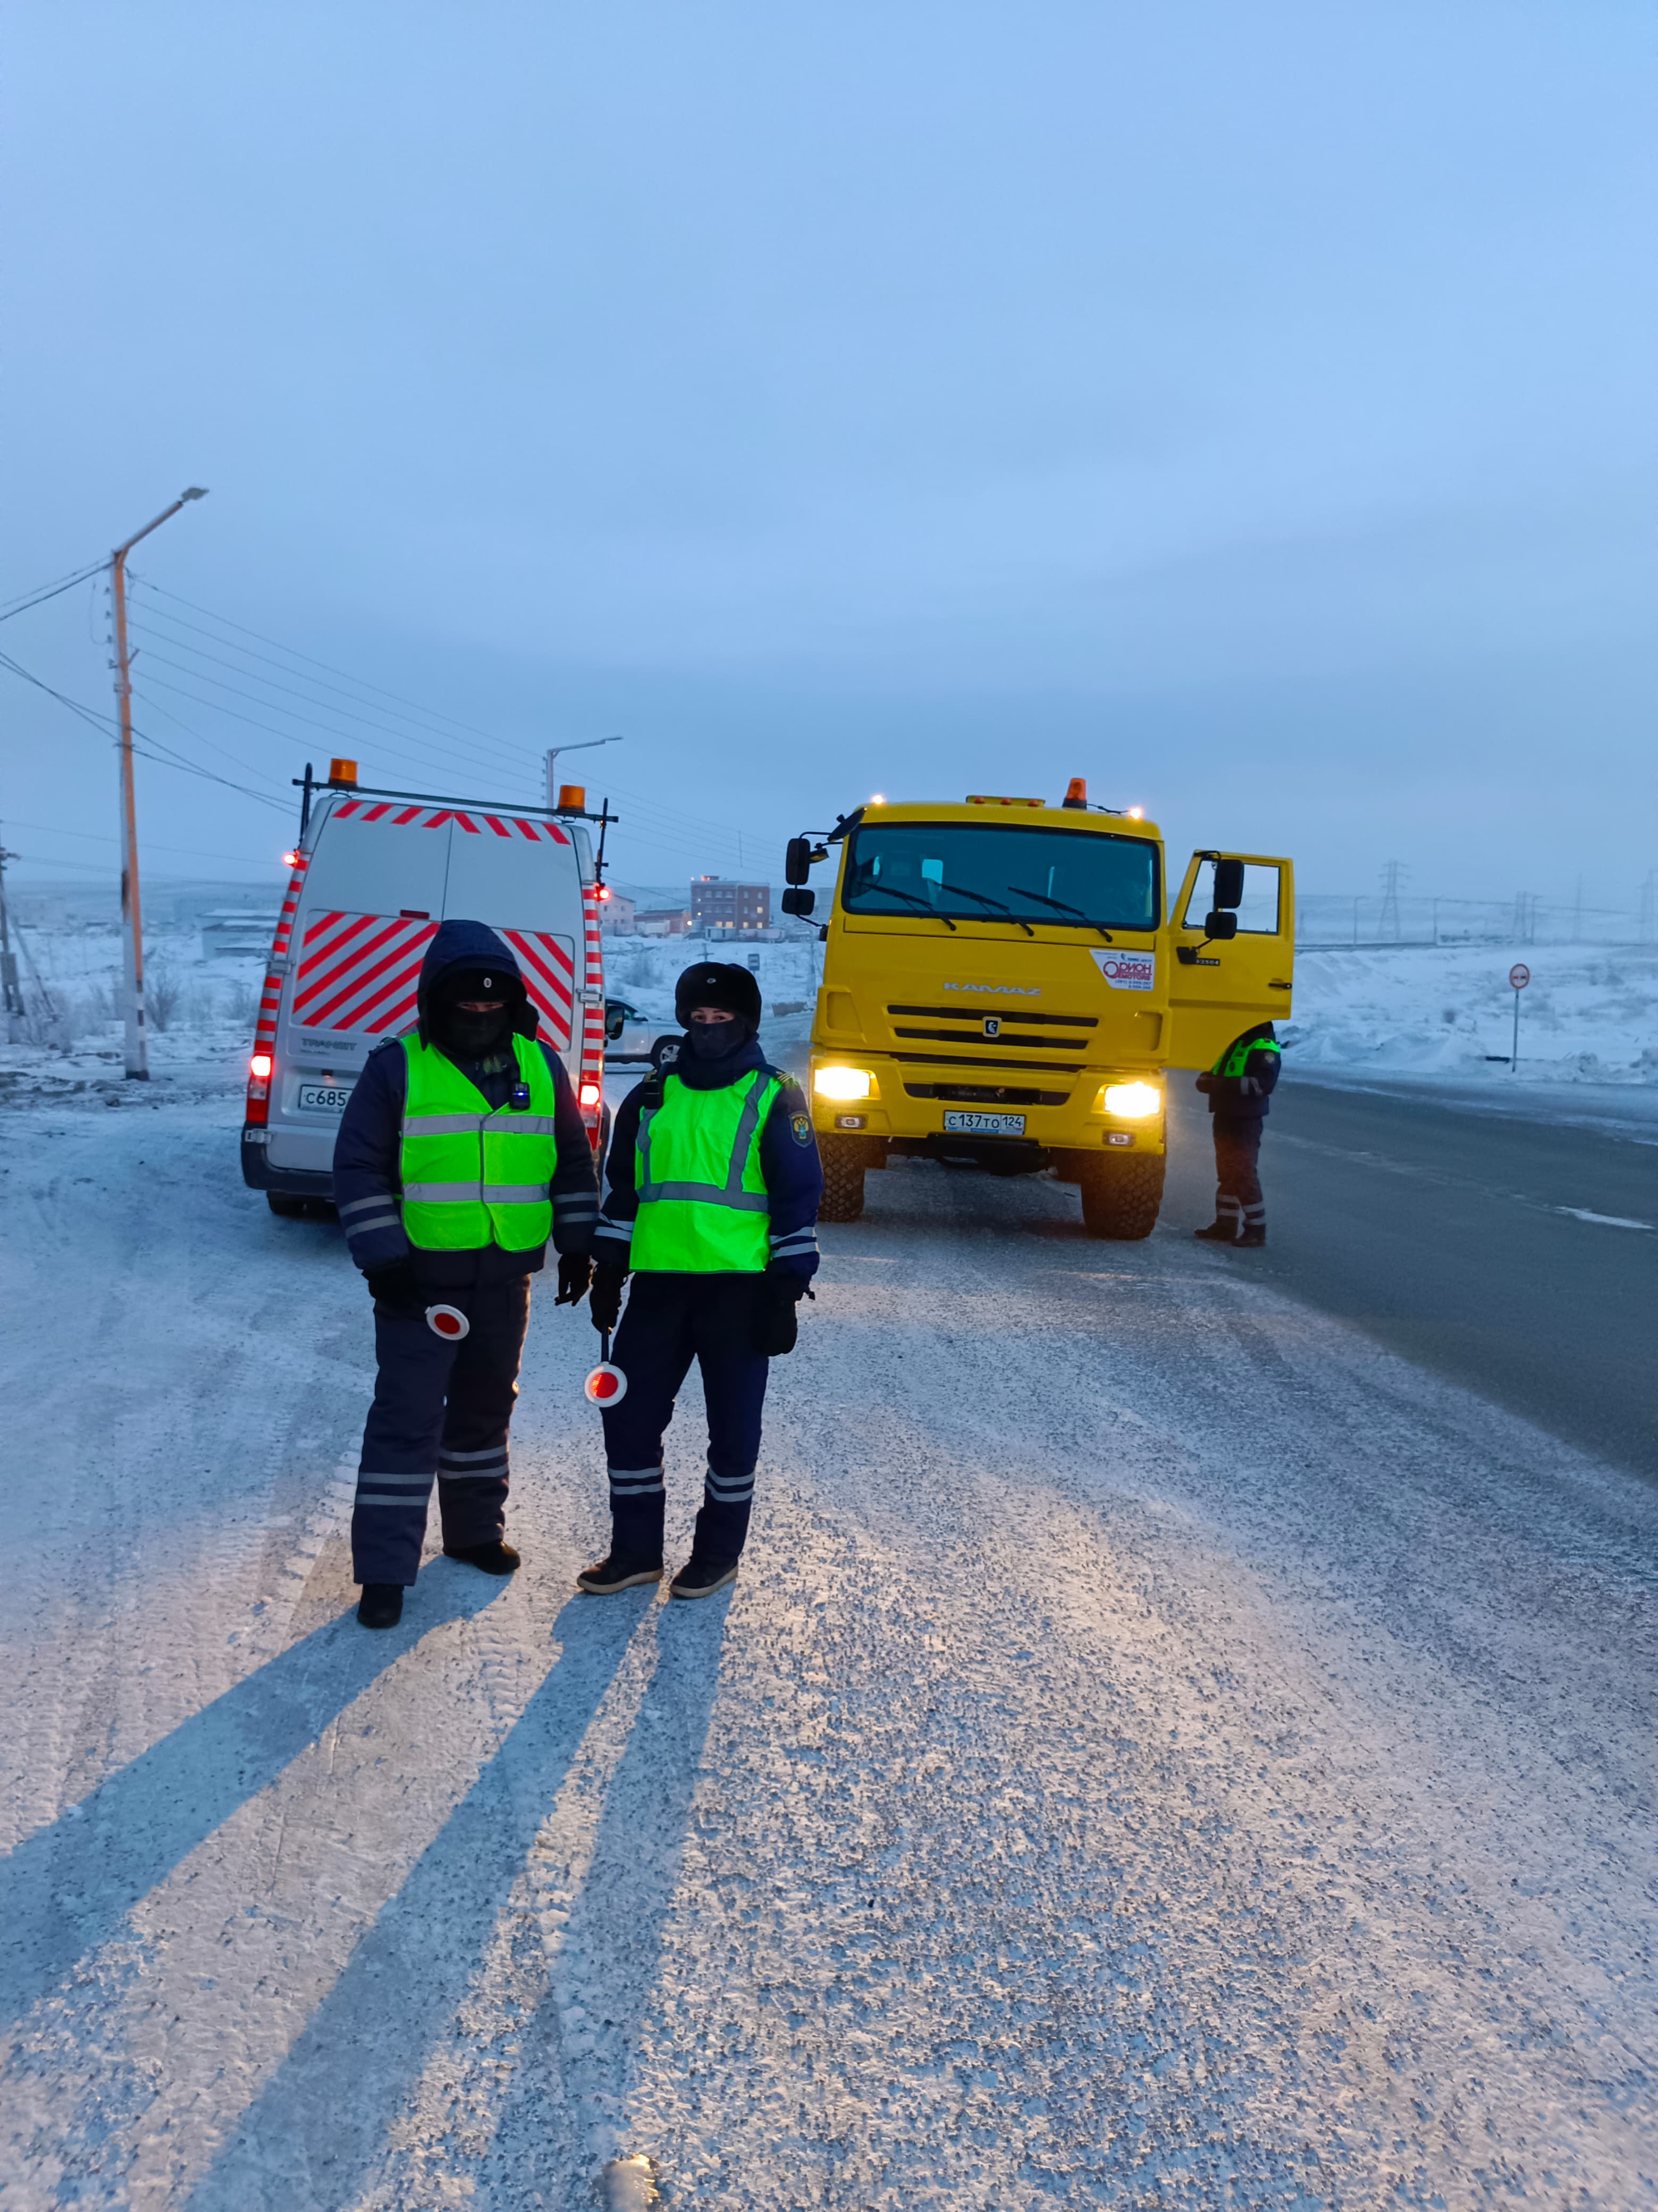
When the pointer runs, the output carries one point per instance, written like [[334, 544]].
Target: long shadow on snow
[[611, 1953], [319, 2126], [69, 1887]]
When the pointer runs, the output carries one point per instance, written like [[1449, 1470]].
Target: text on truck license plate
[[985, 1125]]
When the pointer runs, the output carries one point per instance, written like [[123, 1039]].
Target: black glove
[[1207, 1081], [777, 1324], [574, 1269], [604, 1305], [397, 1287]]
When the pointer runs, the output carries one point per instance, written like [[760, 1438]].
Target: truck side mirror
[[798, 902], [1228, 889], [797, 866], [1219, 928]]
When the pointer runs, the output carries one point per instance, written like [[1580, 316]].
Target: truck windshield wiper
[[960, 891], [891, 891], [1063, 906]]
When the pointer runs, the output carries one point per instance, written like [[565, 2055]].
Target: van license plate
[[985, 1125], [322, 1098]]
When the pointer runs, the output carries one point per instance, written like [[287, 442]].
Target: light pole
[[133, 927], [553, 752]]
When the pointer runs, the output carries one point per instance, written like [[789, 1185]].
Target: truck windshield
[[995, 872]]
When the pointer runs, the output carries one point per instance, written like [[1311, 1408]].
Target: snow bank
[[1590, 1015]]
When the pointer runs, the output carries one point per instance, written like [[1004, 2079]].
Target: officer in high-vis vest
[[1239, 1085], [713, 1181], [462, 1151]]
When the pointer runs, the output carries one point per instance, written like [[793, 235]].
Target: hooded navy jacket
[[789, 1164], [367, 1181]]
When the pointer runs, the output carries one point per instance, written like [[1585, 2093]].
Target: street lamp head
[[195, 491]]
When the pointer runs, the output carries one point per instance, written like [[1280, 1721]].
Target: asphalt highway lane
[[1516, 1256]]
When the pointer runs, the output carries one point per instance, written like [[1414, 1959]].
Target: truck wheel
[[843, 1179], [1121, 1198], [284, 1202]]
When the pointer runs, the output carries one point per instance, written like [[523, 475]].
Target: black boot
[[1218, 1232], [701, 1577], [495, 1559], [381, 1605], [613, 1574]]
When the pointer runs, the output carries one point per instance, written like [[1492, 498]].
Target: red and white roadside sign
[[1519, 975]]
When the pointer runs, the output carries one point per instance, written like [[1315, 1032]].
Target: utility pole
[[132, 925], [553, 752], [12, 995]]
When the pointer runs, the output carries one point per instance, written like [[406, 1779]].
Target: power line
[[50, 592], [94, 837]]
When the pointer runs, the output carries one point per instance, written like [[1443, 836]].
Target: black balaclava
[[734, 991], [474, 1036]]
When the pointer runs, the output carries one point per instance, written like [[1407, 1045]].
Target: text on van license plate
[[986, 1125], [322, 1098]]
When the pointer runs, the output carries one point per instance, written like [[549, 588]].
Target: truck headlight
[[842, 1082], [1129, 1102]]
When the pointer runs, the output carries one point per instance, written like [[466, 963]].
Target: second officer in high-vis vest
[[1239, 1085], [713, 1181], [462, 1151]]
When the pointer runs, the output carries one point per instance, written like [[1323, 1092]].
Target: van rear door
[[1219, 989]]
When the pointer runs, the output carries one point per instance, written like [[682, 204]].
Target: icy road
[[1164, 1750]]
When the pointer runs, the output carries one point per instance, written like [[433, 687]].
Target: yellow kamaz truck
[[1006, 983]]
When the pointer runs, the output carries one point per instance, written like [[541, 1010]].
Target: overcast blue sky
[[1250, 408]]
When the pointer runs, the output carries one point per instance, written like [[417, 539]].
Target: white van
[[375, 872]]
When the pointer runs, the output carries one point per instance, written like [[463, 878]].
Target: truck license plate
[[985, 1125], [322, 1098]]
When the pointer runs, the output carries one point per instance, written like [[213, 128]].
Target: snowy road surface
[[1165, 1751], [1516, 1252]]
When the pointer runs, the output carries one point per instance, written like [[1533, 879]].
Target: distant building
[[730, 909], [662, 922], [237, 933], [617, 915]]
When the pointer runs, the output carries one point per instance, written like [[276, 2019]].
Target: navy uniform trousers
[[672, 1320], [440, 1409], [1238, 1199]]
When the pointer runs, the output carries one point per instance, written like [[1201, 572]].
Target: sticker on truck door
[[1127, 971]]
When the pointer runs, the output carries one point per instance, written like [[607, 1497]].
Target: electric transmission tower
[[1392, 873]]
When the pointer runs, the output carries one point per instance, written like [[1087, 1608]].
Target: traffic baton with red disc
[[606, 1385], [447, 1322]]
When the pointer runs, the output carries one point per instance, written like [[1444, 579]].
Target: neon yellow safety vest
[[703, 1204], [474, 1174], [1235, 1058]]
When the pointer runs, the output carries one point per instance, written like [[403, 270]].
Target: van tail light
[[260, 1069], [590, 1093]]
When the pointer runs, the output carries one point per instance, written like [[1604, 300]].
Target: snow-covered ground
[[1588, 1015], [1161, 1752]]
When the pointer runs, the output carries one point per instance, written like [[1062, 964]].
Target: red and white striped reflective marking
[[264, 1034], [360, 971], [433, 817], [548, 966], [592, 1014]]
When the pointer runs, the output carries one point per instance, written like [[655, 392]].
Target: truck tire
[[843, 1162], [1121, 1198]]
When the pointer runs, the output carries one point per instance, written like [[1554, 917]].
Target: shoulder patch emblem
[[801, 1124]]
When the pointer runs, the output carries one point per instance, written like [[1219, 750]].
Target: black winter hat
[[717, 983], [480, 983]]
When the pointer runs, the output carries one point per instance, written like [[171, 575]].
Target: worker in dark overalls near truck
[[461, 1154], [712, 1185], [1239, 1086]]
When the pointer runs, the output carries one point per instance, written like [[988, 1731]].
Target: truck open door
[[1233, 930]]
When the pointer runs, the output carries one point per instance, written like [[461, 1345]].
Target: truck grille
[[1003, 1036], [986, 1093], [984, 1059], [1025, 1020]]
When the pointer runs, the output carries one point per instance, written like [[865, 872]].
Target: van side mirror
[[797, 866], [1219, 928], [1228, 889], [798, 902]]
